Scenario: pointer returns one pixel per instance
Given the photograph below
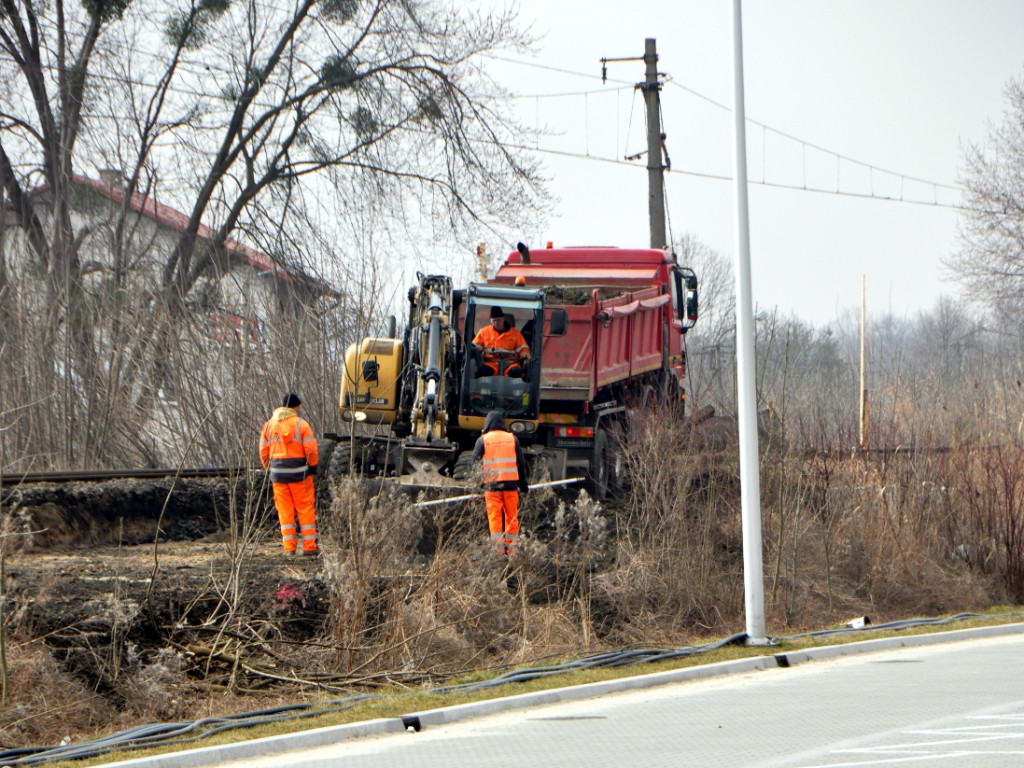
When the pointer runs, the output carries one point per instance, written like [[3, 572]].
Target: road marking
[[995, 730]]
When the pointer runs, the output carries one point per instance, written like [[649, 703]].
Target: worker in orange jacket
[[501, 344], [289, 450], [504, 478]]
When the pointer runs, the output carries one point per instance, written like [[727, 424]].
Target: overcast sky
[[859, 98]]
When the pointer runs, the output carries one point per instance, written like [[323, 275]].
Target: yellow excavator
[[415, 405]]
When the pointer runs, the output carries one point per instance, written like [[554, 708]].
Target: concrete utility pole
[[750, 469], [481, 260], [657, 158], [655, 139]]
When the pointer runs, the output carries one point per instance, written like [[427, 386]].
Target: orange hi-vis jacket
[[510, 339], [499, 457], [288, 447]]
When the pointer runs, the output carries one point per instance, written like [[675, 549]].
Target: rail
[[95, 475]]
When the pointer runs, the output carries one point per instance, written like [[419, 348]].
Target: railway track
[[95, 475]]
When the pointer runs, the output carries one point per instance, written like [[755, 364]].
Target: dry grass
[[45, 704]]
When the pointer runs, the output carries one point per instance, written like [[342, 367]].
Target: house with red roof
[[240, 289]]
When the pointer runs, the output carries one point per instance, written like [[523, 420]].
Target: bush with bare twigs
[[46, 704]]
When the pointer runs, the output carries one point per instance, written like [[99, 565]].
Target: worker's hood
[[494, 420], [280, 414]]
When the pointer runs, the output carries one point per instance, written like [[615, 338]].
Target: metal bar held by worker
[[469, 496]]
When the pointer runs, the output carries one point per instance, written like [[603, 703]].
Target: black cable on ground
[[894, 625], [160, 734]]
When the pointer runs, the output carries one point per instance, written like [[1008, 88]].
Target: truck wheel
[[322, 482], [463, 466], [618, 472], [342, 461], [597, 483]]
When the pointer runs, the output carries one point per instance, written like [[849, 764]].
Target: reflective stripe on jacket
[[288, 447], [500, 457]]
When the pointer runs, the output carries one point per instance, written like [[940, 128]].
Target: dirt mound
[[129, 512], [108, 584]]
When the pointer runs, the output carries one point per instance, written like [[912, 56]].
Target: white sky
[[894, 84]]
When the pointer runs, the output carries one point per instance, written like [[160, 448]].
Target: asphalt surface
[[950, 698]]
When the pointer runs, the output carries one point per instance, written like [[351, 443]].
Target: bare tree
[[990, 258], [260, 121], [710, 344]]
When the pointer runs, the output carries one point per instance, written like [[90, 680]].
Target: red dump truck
[[605, 327], [628, 311]]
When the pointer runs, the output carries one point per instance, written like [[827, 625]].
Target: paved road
[[957, 703]]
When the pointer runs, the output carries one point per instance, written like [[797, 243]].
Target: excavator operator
[[504, 349]]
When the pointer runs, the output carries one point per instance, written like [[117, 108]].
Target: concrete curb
[[479, 708], [317, 737], [444, 715], [891, 643]]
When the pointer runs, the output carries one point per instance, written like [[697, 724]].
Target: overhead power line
[[817, 147], [628, 85], [564, 94], [803, 143], [535, 65], [935, 203]]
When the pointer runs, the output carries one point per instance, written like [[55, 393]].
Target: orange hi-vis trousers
[[503, 520], [296, 500]]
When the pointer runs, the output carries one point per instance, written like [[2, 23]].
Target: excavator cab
[[498, 381]]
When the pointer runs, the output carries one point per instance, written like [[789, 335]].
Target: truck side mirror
[[558, 321], [686, 297], [691, 298]]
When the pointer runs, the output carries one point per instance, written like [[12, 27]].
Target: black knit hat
[[290, 400], [496, 312]]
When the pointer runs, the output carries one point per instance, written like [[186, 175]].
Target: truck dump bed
[[607, 341], [619, 309]]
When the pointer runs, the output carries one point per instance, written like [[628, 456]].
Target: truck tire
[[618, 471], [597, 478], [463, 468], [322, 481], [341, 461]]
